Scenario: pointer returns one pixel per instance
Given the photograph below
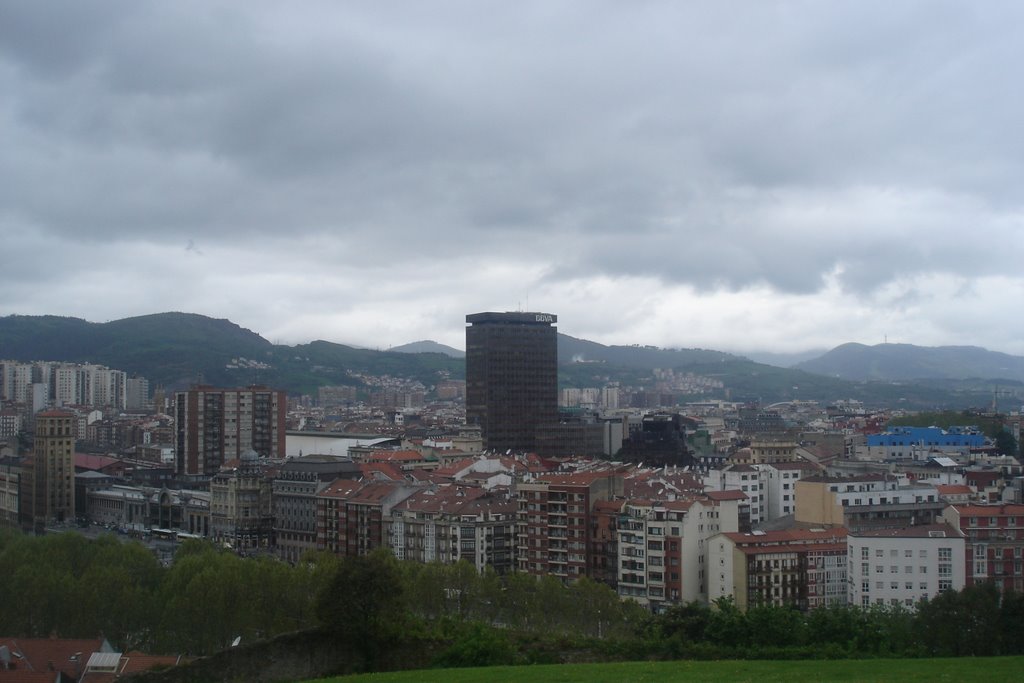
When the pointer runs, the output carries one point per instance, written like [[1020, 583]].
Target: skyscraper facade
[[511, 377]]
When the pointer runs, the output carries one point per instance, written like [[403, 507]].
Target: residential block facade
[[216, 425], [899, 567], [995, 543]]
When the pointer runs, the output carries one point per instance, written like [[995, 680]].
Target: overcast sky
[[727, 175]]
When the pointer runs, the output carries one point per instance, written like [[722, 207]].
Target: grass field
[[895, 670]]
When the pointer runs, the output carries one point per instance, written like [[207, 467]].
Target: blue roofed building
[[922, 443]]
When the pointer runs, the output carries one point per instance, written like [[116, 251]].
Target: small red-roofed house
[[27, 660], [955, 494]]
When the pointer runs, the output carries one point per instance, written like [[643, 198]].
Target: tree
[[1005, 443], [728, 625], [363, 604]]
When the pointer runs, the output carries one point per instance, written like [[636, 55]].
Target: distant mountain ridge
[[573, 350], [429, 346], [175, 350], [904, 362]]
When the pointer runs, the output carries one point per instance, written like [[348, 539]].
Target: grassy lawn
[[896, 670]]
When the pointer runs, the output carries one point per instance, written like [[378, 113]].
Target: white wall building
[[746, 478], [780, 486], [662, 548], [903, 566]]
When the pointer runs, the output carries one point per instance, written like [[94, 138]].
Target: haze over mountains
[[177, 349], [892, 362]]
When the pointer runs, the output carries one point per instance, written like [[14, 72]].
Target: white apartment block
[[780, 486], [64, 384], [746, 478], [903, 566], [662, 548]]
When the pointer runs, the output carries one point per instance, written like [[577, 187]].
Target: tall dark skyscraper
[[511, 377]]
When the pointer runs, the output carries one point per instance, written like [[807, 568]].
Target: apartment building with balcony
[[662, 547], [455, 522], [241, 508], [350, 515], [215, 425], [294, 498], [801, 568], [995, 543], [554, 522]]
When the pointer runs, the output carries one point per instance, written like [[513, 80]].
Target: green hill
[[179, 349]]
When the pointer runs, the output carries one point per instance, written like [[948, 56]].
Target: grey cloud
[[723, 145]]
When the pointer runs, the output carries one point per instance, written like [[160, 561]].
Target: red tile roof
[[53, 412], [371, 469], [395, 456], [954, 489], [726, 495], [48, 655], [340, 488], [989, 510], [85, 461]]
